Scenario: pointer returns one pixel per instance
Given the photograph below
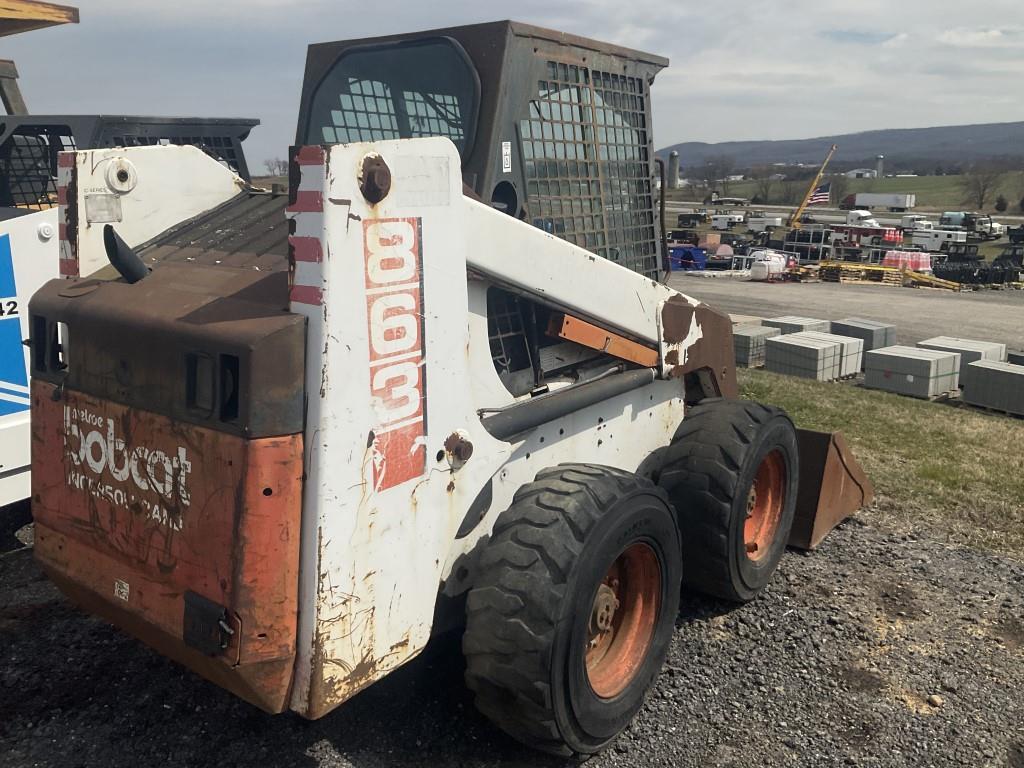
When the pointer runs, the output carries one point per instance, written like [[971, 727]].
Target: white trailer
[[724, 221], [893, 201], [937, 240], [763, 223]]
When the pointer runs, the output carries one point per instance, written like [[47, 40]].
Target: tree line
[[979, 182]]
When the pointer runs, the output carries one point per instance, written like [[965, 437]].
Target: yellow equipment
[[794, 222]]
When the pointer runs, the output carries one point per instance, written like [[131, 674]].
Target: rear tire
[[574, 606], [731, 472]]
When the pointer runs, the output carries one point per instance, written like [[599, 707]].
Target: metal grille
[[28, 166], [223, 148], [368, 114], [434, 114], [587, 161], [510, 349]]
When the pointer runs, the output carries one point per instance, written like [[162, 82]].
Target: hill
[[903, 148]]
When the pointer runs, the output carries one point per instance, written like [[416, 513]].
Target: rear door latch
[[207, 625]]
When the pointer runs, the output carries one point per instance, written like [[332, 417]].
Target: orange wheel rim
[[764, 505], [622, 619]]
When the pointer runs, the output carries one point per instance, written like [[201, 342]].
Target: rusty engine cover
[[167, 466]]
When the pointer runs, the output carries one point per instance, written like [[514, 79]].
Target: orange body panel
[[133, 510], [589, 335]]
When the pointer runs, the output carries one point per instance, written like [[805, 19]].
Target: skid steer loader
[[440, 387]]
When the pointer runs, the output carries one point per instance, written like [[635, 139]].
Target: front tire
[[570, 618], [731, 472]]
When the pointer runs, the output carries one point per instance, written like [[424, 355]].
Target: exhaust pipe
[[122, 257]]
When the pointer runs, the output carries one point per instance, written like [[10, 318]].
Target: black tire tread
[[514, 605], [700, 470]]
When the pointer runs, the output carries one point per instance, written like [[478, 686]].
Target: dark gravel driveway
[[838, 664]]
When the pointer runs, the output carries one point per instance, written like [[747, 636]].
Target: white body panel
[[141, 192], [386, 388], [28, 258]]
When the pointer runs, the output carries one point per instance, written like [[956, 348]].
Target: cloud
[[742, 70], [858, 37], [896, 40], [982, 38]]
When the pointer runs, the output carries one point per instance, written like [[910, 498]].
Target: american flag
[[820, 196]]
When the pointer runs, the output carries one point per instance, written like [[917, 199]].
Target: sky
[[746, 69]]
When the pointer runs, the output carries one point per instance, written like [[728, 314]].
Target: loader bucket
[[832, 487]]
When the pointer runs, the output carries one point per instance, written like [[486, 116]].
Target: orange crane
[[794, 222]]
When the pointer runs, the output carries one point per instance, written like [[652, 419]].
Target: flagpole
[[794, 222]]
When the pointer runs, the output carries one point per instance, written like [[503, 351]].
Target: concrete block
[[744, 320], [968, 349], [796, 355], [912, 371], [795, 324], [996, 385], [874, 334], [852, 355], [749, 344]]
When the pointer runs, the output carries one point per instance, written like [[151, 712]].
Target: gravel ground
[[836, 664]]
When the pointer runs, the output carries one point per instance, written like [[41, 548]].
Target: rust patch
[[713, 351], [71, 214], [458, 447], [374, 178], [126, 541]]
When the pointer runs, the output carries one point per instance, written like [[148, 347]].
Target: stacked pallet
[[970, 350], [749, 343], [851, 350], [875, 335], [923, 373], [805, 273], [796, 354], [844, 272], [796, 324], [995, 385]]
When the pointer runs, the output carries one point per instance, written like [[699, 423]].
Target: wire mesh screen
[[28, 166], [510, 350], [587, 162], [368, 113], [224, 148]]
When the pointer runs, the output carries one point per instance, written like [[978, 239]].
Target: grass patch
[[955, 472]]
